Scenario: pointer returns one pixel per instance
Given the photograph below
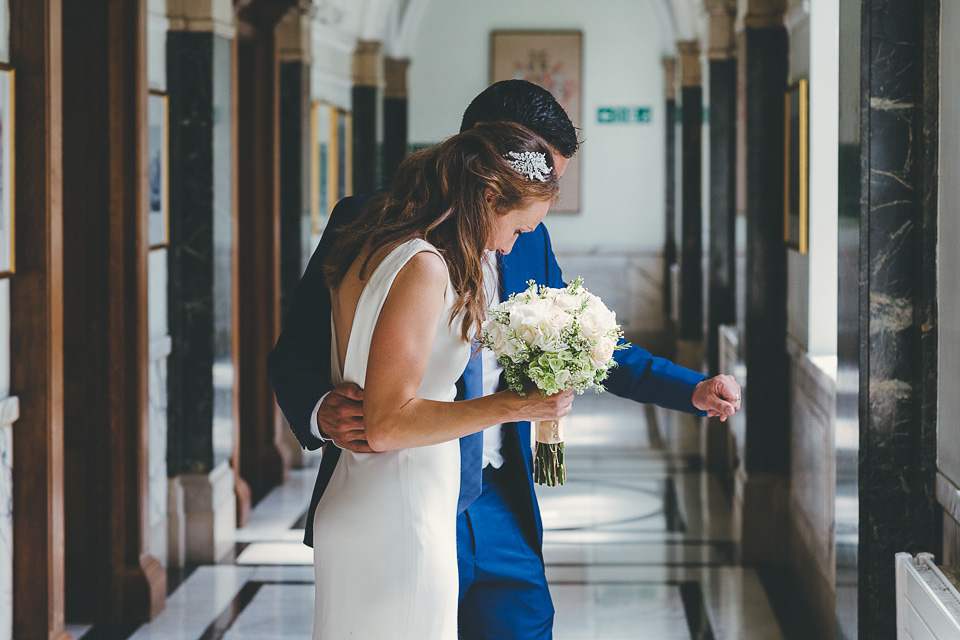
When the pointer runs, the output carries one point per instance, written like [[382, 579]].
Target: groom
[[503, 588]]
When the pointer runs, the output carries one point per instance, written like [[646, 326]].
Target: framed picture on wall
[[158, 170], [7, 218], [796, 167], [344, 132], [320, 204], [553, 60]]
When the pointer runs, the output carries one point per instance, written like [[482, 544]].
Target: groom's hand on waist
[[340, 418]]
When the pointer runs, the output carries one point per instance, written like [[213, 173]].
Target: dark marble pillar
[[764, 439], [717, 446], [395, 118], [767, 431], [897, 294], [367, 73], [722, 271], [295, 222], [201, 364], [691, 243], [670, 161]]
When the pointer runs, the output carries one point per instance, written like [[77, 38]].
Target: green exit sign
[[624, 115]]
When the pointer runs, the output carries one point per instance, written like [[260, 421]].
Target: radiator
[[928, 605]]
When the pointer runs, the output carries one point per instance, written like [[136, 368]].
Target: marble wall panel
[[9, 412], [6, 532], [812, 458], [157, 421], [630, 283]]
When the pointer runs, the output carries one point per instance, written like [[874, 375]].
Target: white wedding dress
[[385, 539]]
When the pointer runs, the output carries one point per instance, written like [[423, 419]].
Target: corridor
[[639, 545]]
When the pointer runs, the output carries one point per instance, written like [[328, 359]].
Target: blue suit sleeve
[[639, 375], [299, 365]]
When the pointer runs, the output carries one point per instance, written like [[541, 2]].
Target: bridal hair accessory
[[532, 164]]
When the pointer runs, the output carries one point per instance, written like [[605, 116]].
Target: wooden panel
[[264, 460], [36, 330], [111, 579]]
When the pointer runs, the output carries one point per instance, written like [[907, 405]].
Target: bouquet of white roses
[[558, 339]]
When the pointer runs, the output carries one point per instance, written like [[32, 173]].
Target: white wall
[[812, 278], [623, 173], [948, 280], [157, 275], [824, 177]]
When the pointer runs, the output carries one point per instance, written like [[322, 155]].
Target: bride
[[407, 296]]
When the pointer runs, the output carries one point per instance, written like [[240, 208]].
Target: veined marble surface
[[639, 544], [157, 466], [6, 532]]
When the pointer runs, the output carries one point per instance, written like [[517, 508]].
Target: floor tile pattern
[[639, 544]]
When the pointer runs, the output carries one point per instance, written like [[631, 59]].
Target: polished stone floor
[[639, 544]]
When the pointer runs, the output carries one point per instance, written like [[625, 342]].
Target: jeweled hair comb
[[532, 164]]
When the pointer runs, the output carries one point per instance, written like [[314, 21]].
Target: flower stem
[[548, 465]]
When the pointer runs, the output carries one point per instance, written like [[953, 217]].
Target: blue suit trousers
[[503, 588]]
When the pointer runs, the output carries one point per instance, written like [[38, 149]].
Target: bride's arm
[[399, 352]]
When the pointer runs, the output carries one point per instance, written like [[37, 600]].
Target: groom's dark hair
[[526, 104]]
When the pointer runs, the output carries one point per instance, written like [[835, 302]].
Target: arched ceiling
[[395, 22]]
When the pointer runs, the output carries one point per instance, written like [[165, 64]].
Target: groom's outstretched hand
[[341, 418], [718, 396]]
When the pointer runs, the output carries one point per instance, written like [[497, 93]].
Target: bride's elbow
[[380, 434]]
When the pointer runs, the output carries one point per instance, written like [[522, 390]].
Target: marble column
[[294, 43], [670, 162], [201, 410], [395, 119], [691, 215], [897, 297], [367, 80], [718, 448], [761, 496]]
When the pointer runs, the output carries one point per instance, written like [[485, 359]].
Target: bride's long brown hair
[[449, 196]]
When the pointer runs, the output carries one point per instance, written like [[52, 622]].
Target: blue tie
[[471, 447]]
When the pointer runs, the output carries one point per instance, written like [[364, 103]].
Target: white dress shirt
[[492, 436]]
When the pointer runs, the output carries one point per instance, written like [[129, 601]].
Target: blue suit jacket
[[299, 365]]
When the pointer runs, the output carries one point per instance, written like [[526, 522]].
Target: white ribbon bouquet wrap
[[557, 339]]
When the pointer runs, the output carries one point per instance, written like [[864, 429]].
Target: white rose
[[568, 301], [548, 337], [558, 319], [602, 352], [497, 336], [530, 313], [530, 334], [590, 324]]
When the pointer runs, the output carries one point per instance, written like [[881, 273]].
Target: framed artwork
[[320, 204], [331, 160], [553, 60], [7, 218], [796, 167], [158, 170]]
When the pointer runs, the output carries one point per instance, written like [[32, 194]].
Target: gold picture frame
[[7, 172], [796, 167], [331, 160], [158, 169], [553, 60]]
